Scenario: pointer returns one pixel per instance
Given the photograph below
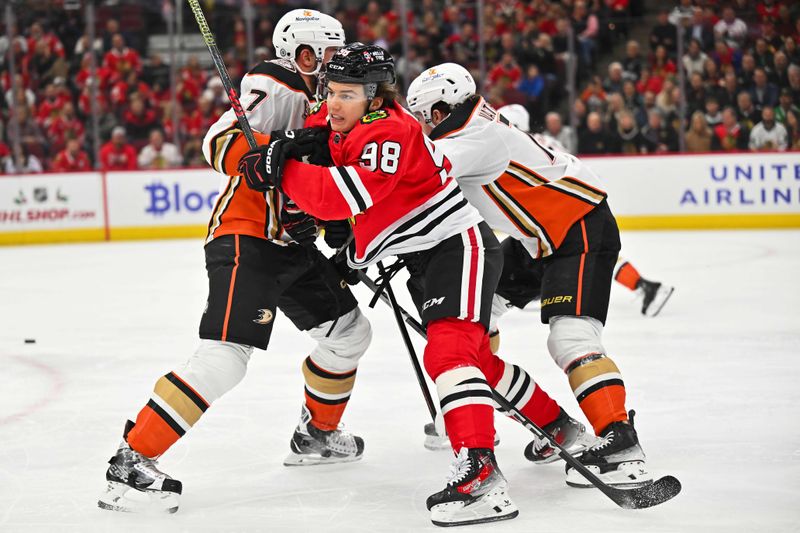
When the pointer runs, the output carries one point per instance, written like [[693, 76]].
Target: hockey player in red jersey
[[552, 205], [387, 175], [259, 257]]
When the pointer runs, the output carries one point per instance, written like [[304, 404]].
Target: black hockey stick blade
[[655, 493], [658, 492]]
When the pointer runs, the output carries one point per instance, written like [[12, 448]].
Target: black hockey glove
[[337, 232], [300, 226], [262, 167], [349, 275]]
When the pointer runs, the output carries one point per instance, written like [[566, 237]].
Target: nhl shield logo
[[40, 194], [265, 317]]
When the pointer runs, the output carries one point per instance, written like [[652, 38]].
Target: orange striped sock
[[599, 389], [327, 394], [627, 275]]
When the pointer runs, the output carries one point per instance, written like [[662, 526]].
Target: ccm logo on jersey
[[265, 317], [432, 302]]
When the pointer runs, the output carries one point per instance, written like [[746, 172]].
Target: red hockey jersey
[[391, 178]]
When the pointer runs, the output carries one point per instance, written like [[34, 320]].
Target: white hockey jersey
[[274, 97], [519, 187]]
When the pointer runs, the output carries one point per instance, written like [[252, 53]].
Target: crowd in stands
[[741, 63]]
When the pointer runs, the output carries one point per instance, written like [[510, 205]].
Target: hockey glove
[[349, 275], [337, 232], [300, 226]]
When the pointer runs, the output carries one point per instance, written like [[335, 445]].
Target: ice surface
[[713, 378]]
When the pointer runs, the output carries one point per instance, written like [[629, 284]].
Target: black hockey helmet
[[360, 63]]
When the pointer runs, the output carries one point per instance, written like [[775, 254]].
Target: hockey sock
[[173, 408], [326, 394], [627, 275], [598, 387], [451, 359], [518, 387]]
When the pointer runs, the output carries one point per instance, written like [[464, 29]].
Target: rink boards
[[708, 191]]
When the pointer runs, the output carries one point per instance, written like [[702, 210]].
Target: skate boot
[[136, 485], [566, 431], [655, 296], [476, 492], [617, 459], [313, 446]]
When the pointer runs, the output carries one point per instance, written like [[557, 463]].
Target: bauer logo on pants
[[265, 317]]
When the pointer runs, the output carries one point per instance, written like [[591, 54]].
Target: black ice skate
[[313, 446], [655, 296], [476, 492], [617, 459], [566, 431], [136, 485]]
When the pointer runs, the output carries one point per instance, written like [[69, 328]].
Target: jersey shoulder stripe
[[284, 72]]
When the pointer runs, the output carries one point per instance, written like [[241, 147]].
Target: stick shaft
[[222, 70]]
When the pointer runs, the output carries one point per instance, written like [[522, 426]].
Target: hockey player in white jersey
[[653, 294], [259, 257], [554, 206]]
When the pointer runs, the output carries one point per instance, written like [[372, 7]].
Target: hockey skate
[[476, 492], [566, 431], [655, 296], [313, 446], [136, 485], [617, 459]]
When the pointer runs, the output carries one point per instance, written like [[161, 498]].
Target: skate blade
[[491, 507], [124, 499], [660, 301], [296, 459], [629, 475]]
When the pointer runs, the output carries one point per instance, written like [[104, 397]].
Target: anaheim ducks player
[[654, 294], [256, 265], [553, 205]]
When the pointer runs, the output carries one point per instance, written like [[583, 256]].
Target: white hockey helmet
[[517, 115], [306, 27], [449, 83]]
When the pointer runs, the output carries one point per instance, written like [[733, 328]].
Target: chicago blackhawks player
[[397, 185]]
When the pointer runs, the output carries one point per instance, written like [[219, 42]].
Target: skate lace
[[459, 468], [341, 441], [145, 465], [604, 441]]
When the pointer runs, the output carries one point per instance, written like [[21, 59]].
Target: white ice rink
[[714, 380]]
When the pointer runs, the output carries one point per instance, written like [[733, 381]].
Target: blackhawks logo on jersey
[[369, 118]]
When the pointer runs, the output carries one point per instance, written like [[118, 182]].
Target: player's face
[[347, 103]]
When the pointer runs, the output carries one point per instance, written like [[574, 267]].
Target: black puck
[[30, 341]]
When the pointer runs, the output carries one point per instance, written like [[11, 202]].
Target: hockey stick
[[216, 57], [658, 492], [400, 315]]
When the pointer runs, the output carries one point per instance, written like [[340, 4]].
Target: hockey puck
[[30, 341]]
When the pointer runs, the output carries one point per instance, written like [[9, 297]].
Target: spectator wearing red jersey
[[662, 65], [507, 68], [55, 96], [648, 82], [72, 158], [117, 154], [63, 126], [38, 34], [139, 120], [121, 59], [730, 136], [84, 73], [123, 90]]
